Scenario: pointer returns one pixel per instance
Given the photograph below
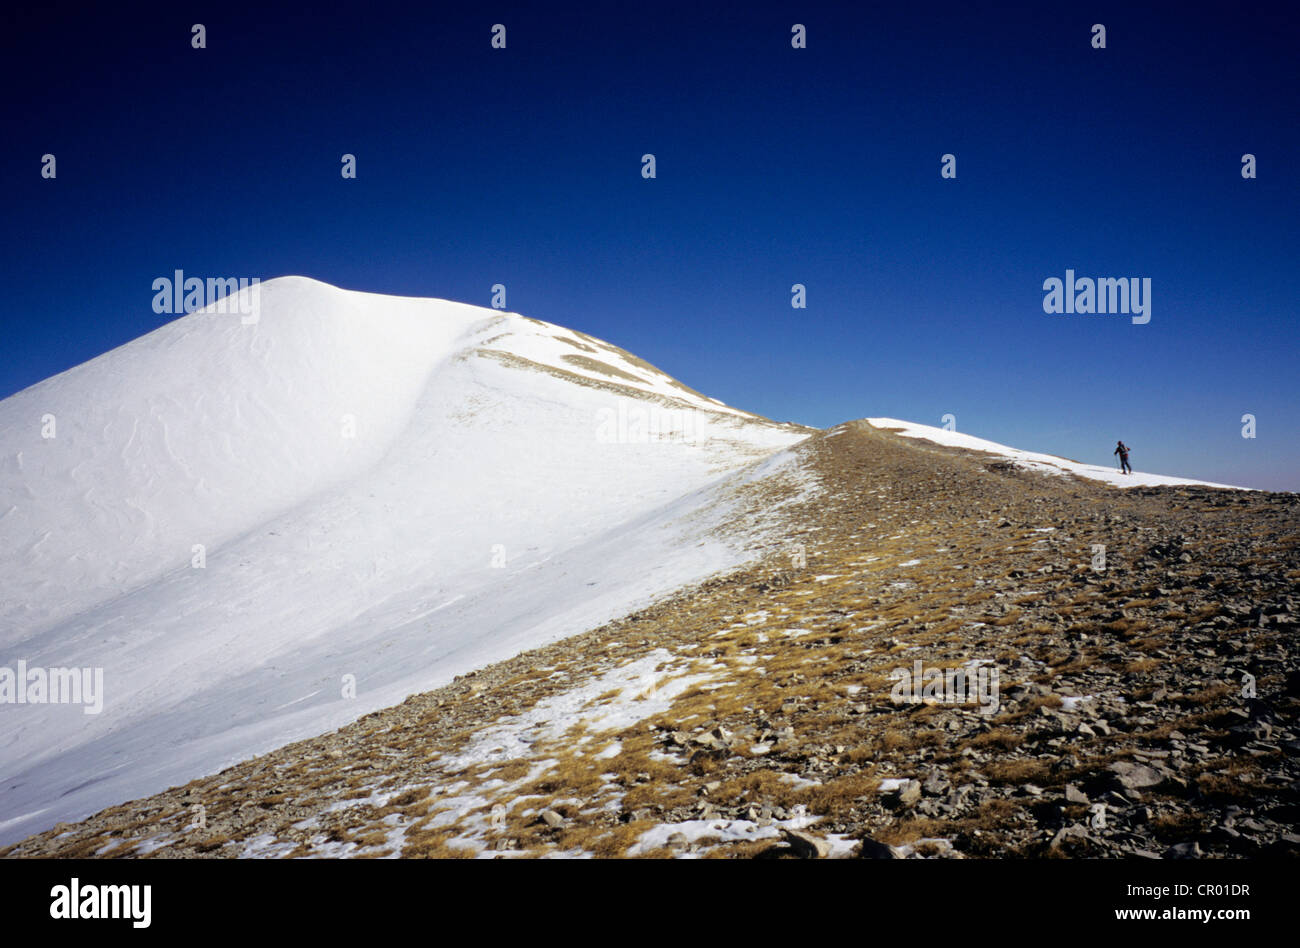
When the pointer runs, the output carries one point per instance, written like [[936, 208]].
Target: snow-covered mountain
[[239, 521], [259, 530]]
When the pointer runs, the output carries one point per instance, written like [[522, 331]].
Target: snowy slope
[[508, 483], [1046, 463]]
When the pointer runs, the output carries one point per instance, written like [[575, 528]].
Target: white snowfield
[[1033, 461], [236, 521]]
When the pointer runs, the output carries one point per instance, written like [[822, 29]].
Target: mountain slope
[[756, 714], [395, 490]]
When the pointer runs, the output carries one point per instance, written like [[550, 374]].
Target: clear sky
[[775, 166]]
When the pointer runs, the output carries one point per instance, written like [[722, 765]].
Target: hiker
[[1122, 450]]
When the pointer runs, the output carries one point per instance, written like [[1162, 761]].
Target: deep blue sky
[[775, 166]]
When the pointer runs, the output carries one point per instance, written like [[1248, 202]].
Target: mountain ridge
[[202, 528]]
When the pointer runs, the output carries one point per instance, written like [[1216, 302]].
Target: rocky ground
[[1147, 690]]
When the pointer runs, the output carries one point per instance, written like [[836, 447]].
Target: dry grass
[[1210, 695], [1019, 772]]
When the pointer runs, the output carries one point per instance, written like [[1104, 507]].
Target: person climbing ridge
[[1122, 450]]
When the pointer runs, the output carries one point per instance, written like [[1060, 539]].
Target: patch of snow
[[723, 831], [1034, 461]]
